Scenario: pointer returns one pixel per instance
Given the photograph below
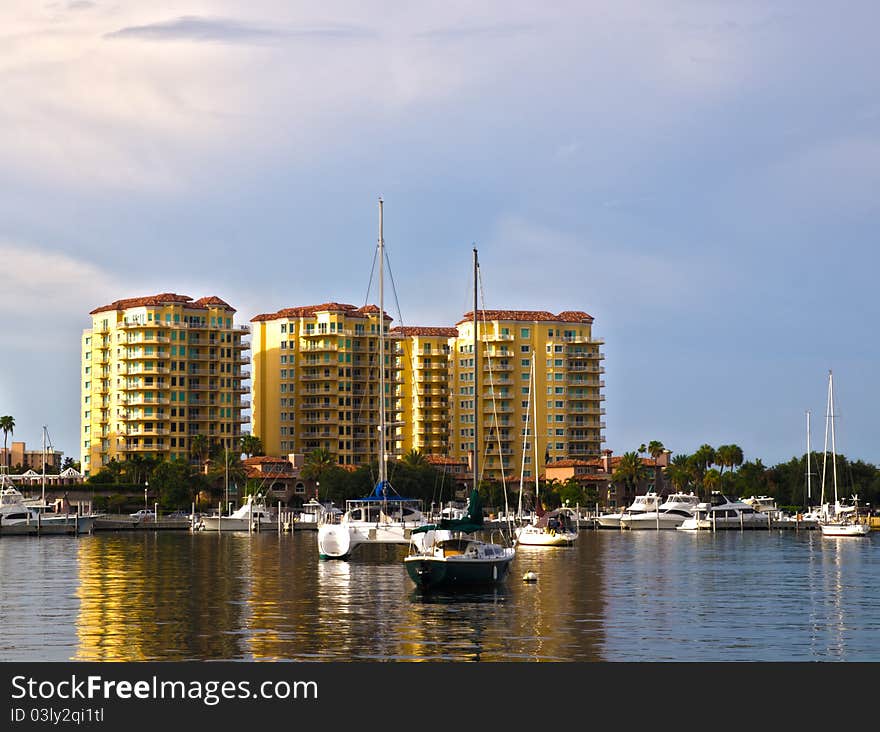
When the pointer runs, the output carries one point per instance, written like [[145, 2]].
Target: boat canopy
[[382, 492], [469, 523]]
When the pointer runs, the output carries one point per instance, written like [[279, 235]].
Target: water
[[614, 596]]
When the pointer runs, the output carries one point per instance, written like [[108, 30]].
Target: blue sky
[[701, 177]]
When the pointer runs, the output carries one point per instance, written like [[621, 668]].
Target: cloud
[[227, 30], [463, 32], [599, 277]]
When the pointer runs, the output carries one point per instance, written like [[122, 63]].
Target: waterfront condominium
[[424, 355], [317, 382], [158, 371], [566, 401]]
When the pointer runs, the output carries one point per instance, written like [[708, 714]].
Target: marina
[[613, 596]]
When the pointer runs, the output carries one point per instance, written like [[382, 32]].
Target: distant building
[[156, 372], [280, 478], [599, 473], [20, 459]]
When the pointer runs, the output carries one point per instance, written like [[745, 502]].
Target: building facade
[[317, 382], [156, 372], [425, 371], [524, 421]]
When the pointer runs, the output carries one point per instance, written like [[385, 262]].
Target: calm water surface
[[615, 596]]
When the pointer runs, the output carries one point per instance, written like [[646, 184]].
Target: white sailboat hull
[[533, 536], [845, 529]]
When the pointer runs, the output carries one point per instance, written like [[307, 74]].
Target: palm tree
[[630, 470], [711, 479], [655, 449], [316, 463], [679, 472], [414, 459], [7, 424], [251, 445], [199, 447]]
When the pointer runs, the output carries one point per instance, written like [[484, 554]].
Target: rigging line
[[393, 287], [494, 403], [372, 272]]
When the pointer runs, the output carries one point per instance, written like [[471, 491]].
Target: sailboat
[[549, 528], [839, 519], [448, 553], [383, 517]]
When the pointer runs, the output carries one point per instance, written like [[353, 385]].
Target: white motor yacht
[[720, 512], [677, 508], [648, 502], [17, 517]]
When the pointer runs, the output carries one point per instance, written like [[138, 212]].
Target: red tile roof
[[443, 460], [528, 316], [306, 311], [414, 330], [165, 298], [262, 459], [571, 463]]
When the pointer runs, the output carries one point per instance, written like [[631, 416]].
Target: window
[[523, 349], [284, 327], [524, 333]]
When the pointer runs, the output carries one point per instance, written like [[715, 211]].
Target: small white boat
[[845, 528], [837, 519], [253, 515], [553, 528], [699, 521]]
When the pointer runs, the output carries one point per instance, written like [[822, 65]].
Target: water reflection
[[613, 596]]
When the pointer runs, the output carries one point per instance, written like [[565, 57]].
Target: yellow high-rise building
[[156, 372], [316, 382], [566, 401], [425, 362]]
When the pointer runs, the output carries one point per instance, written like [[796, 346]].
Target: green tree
[[251, 445], [172, 480], [228, 469], [680, 472], [316, 463], [414, 459], [7, 424], [630, 470], [711, 480], [655, 449], [199, 448], [728, 456]]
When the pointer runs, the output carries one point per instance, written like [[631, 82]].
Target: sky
[[701, 177]]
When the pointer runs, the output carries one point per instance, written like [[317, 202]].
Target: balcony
[[497, 337], [497, 366], [318, 347], [318, 377], [497, 408]]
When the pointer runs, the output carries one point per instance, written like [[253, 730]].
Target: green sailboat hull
[[429, 572]]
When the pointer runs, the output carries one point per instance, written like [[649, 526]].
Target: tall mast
[[476, 377], [825, 446], [522, 469], [44, 465], [833, 445], [533, 387], [809, 494], [382, 466]]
